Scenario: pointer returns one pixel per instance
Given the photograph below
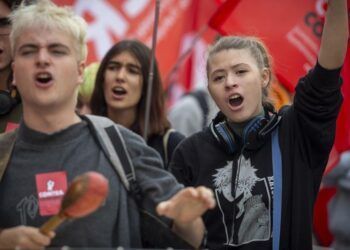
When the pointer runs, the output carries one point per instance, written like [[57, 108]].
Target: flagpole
[[151, 70]]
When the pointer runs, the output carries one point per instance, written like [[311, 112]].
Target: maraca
[[84, 195]]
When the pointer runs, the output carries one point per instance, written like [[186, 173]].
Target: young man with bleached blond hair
[[49, 50]]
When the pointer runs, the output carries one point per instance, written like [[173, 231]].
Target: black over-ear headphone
[[8, 100], [253, 136]]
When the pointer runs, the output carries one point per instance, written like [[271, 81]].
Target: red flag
[[342, 140], [222, 14], [112, 20], [292, 24]]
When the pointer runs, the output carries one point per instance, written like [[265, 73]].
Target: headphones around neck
[[253, 136], [8, 100]]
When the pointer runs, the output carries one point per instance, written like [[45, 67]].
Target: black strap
[[119, 147], [199, 95], [155, 233], [7, 102]]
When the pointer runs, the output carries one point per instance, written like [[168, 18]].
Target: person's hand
[[23, 237], [187, 205]]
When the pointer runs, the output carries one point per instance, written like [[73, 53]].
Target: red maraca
[[84, 195]]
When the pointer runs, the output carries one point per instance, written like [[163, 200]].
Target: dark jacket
[[306, 136]]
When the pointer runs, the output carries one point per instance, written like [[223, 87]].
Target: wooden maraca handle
[[52, 224]]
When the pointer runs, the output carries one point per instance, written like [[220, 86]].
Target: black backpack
[[155, 233]]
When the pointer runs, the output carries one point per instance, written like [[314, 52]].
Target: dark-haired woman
[[120, 94]]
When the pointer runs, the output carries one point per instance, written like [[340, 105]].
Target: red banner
[[342, 140], [290, 28], [112, 20]]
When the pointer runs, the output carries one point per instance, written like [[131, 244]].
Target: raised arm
[[335, 35]]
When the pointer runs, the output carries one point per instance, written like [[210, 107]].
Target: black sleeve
[[316, 106], [156, 183], [181, 162], [174, 139]]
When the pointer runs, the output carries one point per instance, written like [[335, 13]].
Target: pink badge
[[11, 126], [51, 188]]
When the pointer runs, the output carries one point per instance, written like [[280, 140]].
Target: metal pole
[[151, 70]]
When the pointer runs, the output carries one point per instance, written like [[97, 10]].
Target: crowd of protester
[[222, 170]]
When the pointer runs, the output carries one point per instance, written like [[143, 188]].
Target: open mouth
[[235, 100], [119, 91], [43, 78]]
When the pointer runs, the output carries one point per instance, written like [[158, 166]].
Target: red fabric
[[51, 188], [11, 126], [113, 20], [301, 41], [342, 141], [320, 220], [222, 14], [321, 229]]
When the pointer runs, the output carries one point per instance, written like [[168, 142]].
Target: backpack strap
[[155, 232], [7, 142], [112, 142], [165, 145], [98, 127], [119, 145], [200, 97]]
